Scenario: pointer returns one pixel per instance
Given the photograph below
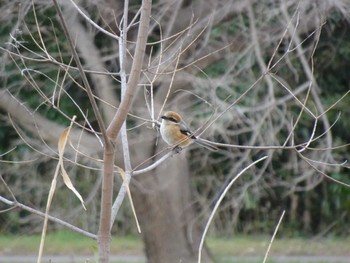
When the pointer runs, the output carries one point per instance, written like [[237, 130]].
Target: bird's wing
[[185, 130]]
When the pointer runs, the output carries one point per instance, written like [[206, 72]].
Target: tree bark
[[166, 212], [162, 197]]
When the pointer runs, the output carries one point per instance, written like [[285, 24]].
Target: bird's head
[[172, 116]]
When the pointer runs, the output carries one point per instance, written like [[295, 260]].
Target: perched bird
[[175, 132]]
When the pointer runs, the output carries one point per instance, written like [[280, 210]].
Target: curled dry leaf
[[61, 146], [62, 141]]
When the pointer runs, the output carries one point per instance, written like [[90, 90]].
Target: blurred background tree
[[201, 57]]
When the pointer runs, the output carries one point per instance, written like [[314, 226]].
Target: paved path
[[138, 259]]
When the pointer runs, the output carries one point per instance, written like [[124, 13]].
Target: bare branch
[[218, 202], [82, 74], [123, 109], [273, 236], [51, 218]]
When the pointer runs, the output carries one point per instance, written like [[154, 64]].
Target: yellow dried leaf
[[62, 141], [126, 183]]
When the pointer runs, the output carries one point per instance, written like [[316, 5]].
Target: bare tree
[[130, 66]]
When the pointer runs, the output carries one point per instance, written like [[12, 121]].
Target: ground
[[69, 247]]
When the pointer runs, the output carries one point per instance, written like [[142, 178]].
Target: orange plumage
[[175, 132]]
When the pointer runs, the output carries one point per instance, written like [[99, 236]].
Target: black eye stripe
[[169, 119]]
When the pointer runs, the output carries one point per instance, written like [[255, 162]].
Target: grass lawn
[[252, 248], [63, 243], [257, 246]]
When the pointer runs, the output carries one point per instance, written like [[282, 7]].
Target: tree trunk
[[166, 212]]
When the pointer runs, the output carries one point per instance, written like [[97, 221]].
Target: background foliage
[[314, 205]]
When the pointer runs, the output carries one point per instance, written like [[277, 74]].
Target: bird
[[175, 132]]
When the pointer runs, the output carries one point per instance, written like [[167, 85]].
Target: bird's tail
[[206, 144]]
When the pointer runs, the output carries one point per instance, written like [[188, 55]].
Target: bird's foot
[[177, 149]]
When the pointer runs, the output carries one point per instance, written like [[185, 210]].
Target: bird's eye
[[172, 119]]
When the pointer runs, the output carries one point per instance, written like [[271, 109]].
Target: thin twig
[[217, 204], [321, 172], [8, 188], [82, 74], [273, 236], [124, 135], [100, 29], [51, 218], [154, 165]]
